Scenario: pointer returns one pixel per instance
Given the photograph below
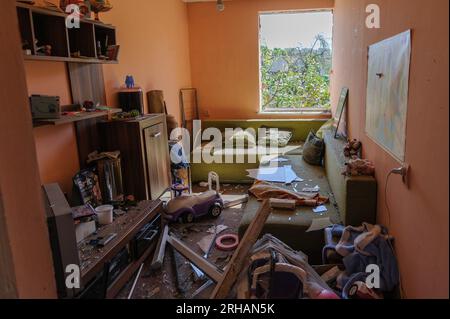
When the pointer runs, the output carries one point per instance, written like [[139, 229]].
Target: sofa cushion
[[313, 150]]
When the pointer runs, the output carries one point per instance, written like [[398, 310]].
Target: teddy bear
[[353, 148], [359, 167]]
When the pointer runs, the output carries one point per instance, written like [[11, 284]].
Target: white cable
[[394, 171]]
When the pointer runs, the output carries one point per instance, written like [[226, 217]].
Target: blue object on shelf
[[129, 82]]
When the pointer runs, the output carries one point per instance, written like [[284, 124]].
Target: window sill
[[309, 113]]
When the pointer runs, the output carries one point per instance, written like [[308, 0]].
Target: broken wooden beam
[[283, 203], [204, 265], [130, 295], [234, 200], [160, 251], [177, 263], [234, 268]]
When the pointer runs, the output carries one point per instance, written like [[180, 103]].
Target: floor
[[163, 284]]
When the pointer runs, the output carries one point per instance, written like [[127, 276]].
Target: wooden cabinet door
[[158, 169]]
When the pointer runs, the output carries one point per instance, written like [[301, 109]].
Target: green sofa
[[352, 201]]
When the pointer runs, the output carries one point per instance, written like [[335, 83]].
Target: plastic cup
[[105, 214]]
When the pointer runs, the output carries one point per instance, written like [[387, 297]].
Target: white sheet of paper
[[311, 189], [320, 224], [283, 174], [279, 160], [320, 209], [217, 229]]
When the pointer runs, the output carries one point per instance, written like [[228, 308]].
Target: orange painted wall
[[153, 35], [224, 54], [56, 146], [419, 215]]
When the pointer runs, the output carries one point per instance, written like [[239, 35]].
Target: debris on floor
[[162, 283]]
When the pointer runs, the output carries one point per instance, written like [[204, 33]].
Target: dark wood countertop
[[92, 259]]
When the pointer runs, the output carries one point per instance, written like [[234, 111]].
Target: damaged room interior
[[224, 149]]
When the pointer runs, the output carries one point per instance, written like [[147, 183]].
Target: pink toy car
[[187, 208]]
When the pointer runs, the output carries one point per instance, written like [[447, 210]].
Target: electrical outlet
[[405, 174]]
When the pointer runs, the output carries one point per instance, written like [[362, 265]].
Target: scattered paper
[[283, 174], [320, 224], [311, 189], [272, 159], [320, 209], [279, 160], [206, 242], [217, 229]]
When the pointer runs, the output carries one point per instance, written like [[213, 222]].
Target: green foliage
[[296, 77]]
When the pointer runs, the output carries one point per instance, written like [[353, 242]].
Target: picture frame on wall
[[340, 124]]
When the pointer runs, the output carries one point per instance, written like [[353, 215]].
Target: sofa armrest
[[356, 197], [361, 201]]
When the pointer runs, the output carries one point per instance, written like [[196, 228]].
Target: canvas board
[[387, 93]]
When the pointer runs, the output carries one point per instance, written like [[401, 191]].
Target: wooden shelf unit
[[146, 212], [48, 27], [76, 118]]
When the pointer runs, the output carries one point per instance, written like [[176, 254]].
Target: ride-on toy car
[[187, 208]]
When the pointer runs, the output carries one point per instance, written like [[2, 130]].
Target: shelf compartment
[[26, 29], [105, 36], [36, 23], [51, 30], [82, 40]]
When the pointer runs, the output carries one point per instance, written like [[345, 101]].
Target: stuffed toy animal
[[359, 167], [353, 148]]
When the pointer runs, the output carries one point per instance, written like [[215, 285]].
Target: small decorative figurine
[[98, 6], [359, 167], [85, 6], [353, 148], [129, 82]]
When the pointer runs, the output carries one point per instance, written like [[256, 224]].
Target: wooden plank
[[209, 269], [65, 119], [177, 263], [87, 83], [88, 139], [7, 275], [234, 268], [283, 203], [158, 258], [67, 59]]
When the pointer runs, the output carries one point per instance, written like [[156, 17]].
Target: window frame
[[291, 110]]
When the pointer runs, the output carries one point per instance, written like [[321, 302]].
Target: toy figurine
[[129, 82], [85, 6], [359, 167], [353, 148], [188, 207]]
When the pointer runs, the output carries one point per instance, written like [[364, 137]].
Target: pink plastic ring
[[227, 247]]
